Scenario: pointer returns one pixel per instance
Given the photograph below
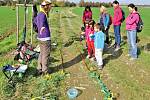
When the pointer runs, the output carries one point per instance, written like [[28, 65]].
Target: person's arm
[[133, 19], [106, 21], [100, 16], [42, 20], [90, 15], [103, 37], [83, 17], [35, 20], [42, 30], [118, 16]]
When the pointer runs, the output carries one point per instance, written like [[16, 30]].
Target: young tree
[[81, 4]]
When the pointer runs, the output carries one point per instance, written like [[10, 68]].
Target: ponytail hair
[[136, 8], [132, 6]]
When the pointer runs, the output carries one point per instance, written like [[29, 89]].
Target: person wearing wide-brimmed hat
[[44, 37]]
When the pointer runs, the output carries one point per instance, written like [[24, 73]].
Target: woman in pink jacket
[[87, 15], [131, 25]]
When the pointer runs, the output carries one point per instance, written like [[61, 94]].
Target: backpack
[[123, 16], [24, 52], [139, 24], [110, 19], [34, 20]]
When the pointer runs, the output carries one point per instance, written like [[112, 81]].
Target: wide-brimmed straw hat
[[46, 2]]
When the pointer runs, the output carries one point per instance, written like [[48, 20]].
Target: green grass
[[8, 19], [31, 87], [8, 27], [129, 79]]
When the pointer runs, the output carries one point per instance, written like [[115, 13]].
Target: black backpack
[[139, 24], [110, 19], [35, 12], [123, 16]]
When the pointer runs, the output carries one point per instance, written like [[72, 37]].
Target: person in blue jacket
[[99, 42], [105, 22]]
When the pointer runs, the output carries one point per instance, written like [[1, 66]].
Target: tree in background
[[56, 3], [82, 3], [94, 4]]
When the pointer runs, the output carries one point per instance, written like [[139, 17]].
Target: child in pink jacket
[[90, 41], [87, 14]]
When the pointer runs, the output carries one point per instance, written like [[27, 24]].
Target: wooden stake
[[17, 14]]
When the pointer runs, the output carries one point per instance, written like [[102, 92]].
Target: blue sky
[[141, 2]]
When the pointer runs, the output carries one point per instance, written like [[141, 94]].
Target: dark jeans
[[107, 35], [117, 35]]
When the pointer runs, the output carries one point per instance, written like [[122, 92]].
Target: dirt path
[[73, 64], [77, 69]]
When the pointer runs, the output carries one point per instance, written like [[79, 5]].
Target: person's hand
[[42, 30], [105, 28], [91, 35], [82, 33], [82, 21]]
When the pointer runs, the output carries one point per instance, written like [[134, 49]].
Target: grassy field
[[131, 78], [8, 28], [30, 86], [8, 19], [127, 80]]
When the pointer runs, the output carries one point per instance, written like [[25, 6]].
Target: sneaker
[[114, 45], [47, 72], [107, 45], [117, 48], [93, 59], [100, 67], [132, 59], [128, 55], [88, 56], [38, 72]]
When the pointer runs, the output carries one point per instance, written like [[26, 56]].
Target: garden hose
[[108, 95]]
